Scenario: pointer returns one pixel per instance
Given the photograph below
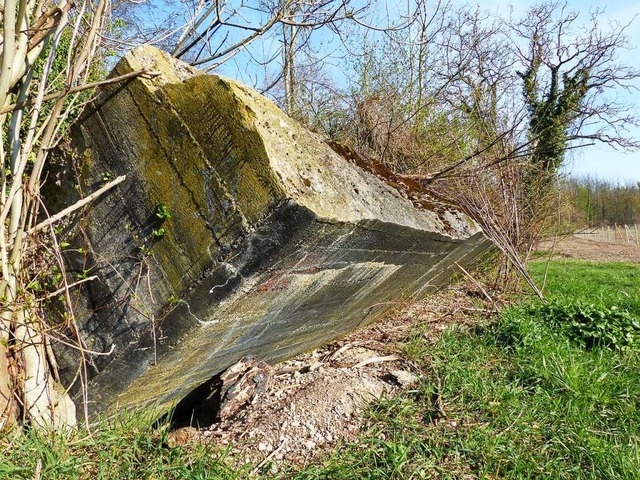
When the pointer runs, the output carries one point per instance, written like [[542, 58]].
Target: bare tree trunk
[[8, 410], [290, 34], [47, 404], [28, 388]]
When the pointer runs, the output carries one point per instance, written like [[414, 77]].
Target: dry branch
[[80, 88], [76, 206]]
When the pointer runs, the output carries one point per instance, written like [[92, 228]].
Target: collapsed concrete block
[[237, 232]]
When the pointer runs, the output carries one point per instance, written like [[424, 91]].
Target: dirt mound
[[316, 400]]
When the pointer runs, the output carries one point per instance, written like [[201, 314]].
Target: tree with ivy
[[570, 71]]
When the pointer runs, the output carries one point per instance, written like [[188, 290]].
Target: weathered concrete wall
[[275, 244]]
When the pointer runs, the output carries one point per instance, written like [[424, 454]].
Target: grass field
[[543, 391], [526, 396]]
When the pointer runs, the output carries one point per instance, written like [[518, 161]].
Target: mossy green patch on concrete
[[233, 146]]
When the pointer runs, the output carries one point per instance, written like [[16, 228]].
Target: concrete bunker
[[237, 232]]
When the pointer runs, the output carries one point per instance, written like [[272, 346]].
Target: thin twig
[[470, 277], [511, 425], [341, 350], [79, 204], [75, 284], [269, 457], [79, 88], [368, 361], [38, 471]]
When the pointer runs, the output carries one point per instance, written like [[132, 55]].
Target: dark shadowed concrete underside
[[275, 243]]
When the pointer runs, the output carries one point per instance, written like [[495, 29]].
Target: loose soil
[[581, 249]]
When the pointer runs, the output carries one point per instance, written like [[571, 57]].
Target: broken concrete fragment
[[237, 233], [242, 383]]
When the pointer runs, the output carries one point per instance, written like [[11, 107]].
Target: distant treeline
[[596, 202]]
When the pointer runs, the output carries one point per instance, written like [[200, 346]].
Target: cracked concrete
[[276, 243]]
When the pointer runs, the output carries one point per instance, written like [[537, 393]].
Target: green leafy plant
[[84, 274], [159, 233], [54, 278], [162, 212], [592, 324]]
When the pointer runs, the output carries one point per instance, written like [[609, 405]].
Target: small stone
[[309, 445], [315, 366], [404, 378], [181, 436]]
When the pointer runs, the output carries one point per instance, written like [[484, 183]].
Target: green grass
[[523, 397], [544, 391], [593, 304], [128, 448], [605, 282]]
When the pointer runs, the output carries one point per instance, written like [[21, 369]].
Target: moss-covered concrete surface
[[237, 232]]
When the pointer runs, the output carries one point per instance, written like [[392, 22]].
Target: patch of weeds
[[593, 304], [162, 212], [159, 233]]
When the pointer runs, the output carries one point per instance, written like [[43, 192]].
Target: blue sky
[[602, 161]]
